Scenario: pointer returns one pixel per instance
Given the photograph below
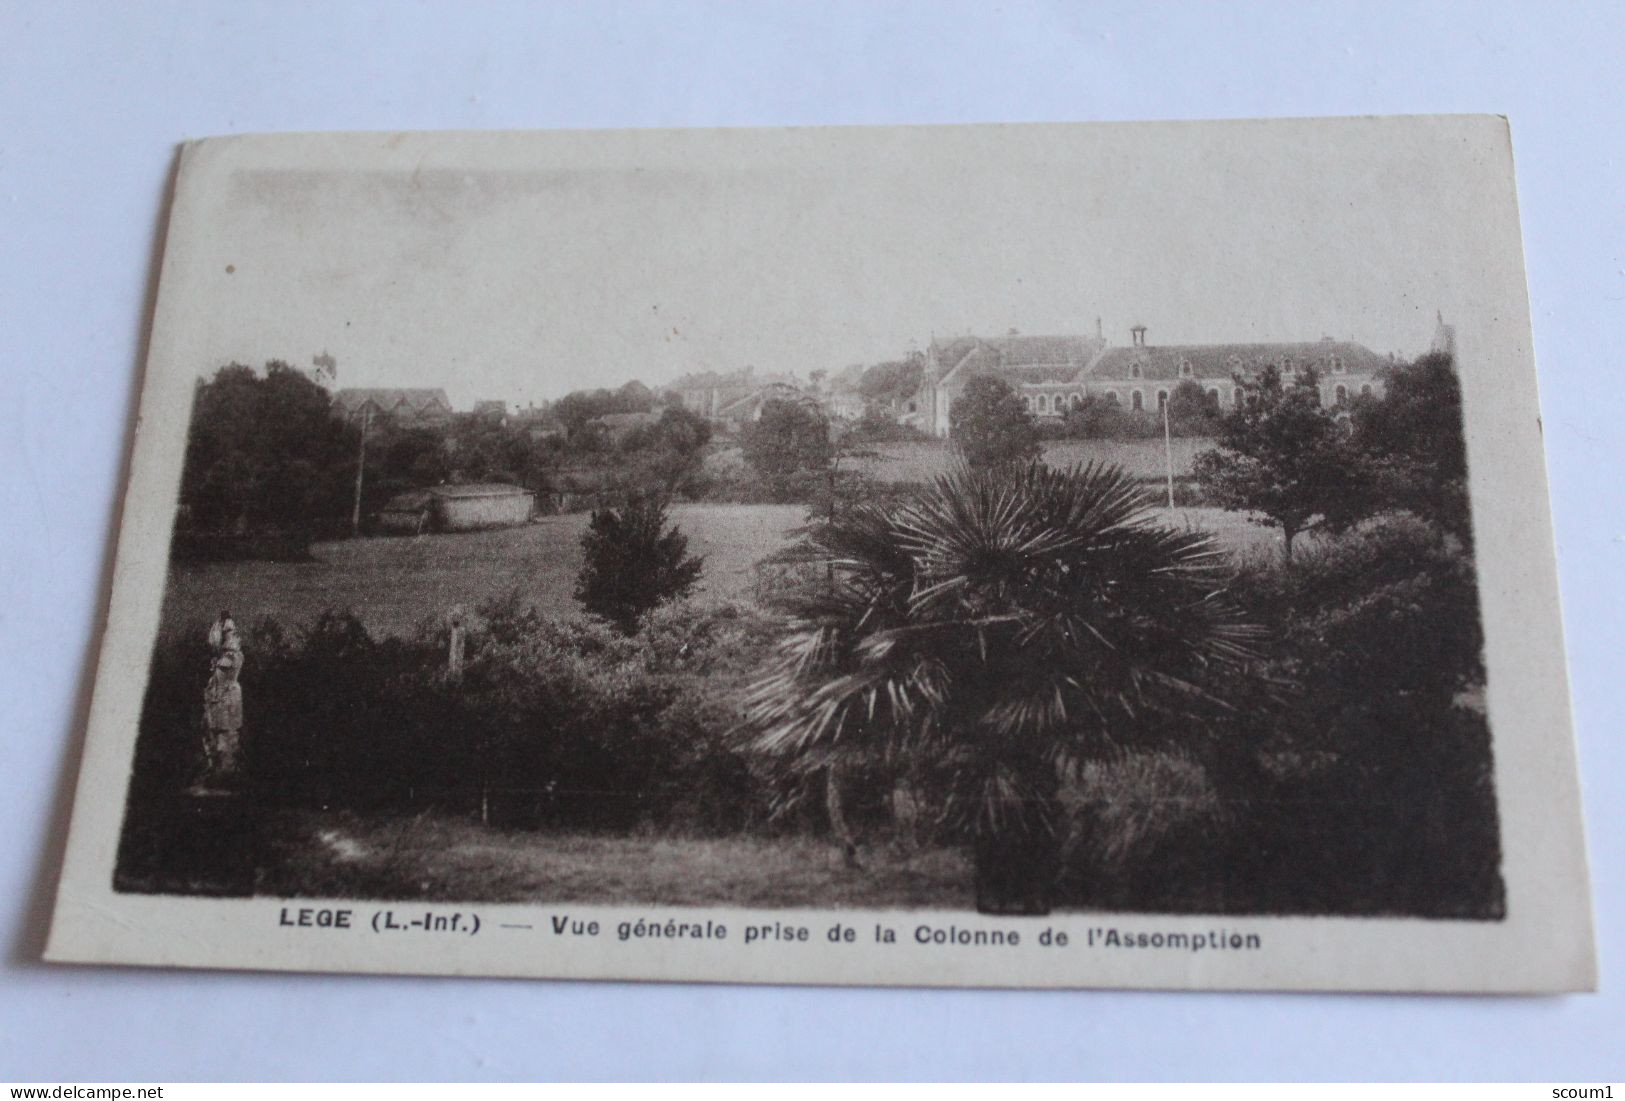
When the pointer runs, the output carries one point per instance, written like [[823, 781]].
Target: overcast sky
[[525, 277]]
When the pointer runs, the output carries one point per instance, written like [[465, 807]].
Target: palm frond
[[1005, 611]]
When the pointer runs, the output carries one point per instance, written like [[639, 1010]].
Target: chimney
[[1100, 331], [1138, 333]]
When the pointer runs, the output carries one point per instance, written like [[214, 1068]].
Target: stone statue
[[456, 622], [223, 703]]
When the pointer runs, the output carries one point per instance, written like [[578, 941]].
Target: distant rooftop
[[1220, 361], [388, 398], [479, 489]]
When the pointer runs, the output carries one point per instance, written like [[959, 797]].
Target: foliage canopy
[[787, 445], [1415, 444], [999, 629], [634, 562], [991, 425], [265, 452], [1283, 456]]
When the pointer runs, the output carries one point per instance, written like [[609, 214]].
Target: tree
[[264, 452], [1413, 437], [415, 457], [576, 408], [879, 425], [788, 447], [1192, 411], [634, 397], [634, 562], [893, 382], [1280, 454], [1382, 636], [482, 449], [1098, 418], [844, 482], [991, 426], [667, 456], [993, 634]]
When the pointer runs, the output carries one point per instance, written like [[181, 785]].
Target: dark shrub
[[1095, 418], [787, 447], [563, 723], [1146, 831], [1384, 801], [878, 425], [1362, 785], [991, 426], [633, 562]]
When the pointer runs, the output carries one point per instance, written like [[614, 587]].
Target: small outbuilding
[[406, 513], [458, 508]]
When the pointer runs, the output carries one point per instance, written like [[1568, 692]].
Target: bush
[[1414, 441], [788, 447], [1192, 411], [1095, 418], [1144, 832], [1282, 455], [1384, 799], [877, 425], [633, 562], [564, 723], [737, 484], [990, 425], [1366, 788], [1393, 603]]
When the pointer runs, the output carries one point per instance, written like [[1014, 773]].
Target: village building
[[849, 405], [708, 392], [841, 394], [538, 431], [409, 408], [743, 410], [538, 422], [733, 399], [1047, 366], [1056, 374], [457, 508], [495, 412]]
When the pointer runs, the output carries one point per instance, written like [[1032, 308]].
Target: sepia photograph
[[979, 534]]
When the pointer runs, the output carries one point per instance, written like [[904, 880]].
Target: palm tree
[[994, 633]]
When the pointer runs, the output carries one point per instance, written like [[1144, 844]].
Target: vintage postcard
[[1053, 556]]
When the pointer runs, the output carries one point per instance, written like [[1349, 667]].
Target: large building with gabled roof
[[1055, 374], [409, 408]]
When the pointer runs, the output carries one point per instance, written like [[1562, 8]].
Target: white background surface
[[92, 100]]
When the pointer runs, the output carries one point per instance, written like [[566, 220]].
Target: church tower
[[325, 370], [1444, 337]]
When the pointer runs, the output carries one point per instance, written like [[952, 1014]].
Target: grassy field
[[396, 582], [393, 584], [332, 855], [1134, 803], [923, 460]]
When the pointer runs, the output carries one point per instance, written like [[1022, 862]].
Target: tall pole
[[1168, 448], [360, 469], [834, 432]]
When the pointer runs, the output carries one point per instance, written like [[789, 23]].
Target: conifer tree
[[634, 562]]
